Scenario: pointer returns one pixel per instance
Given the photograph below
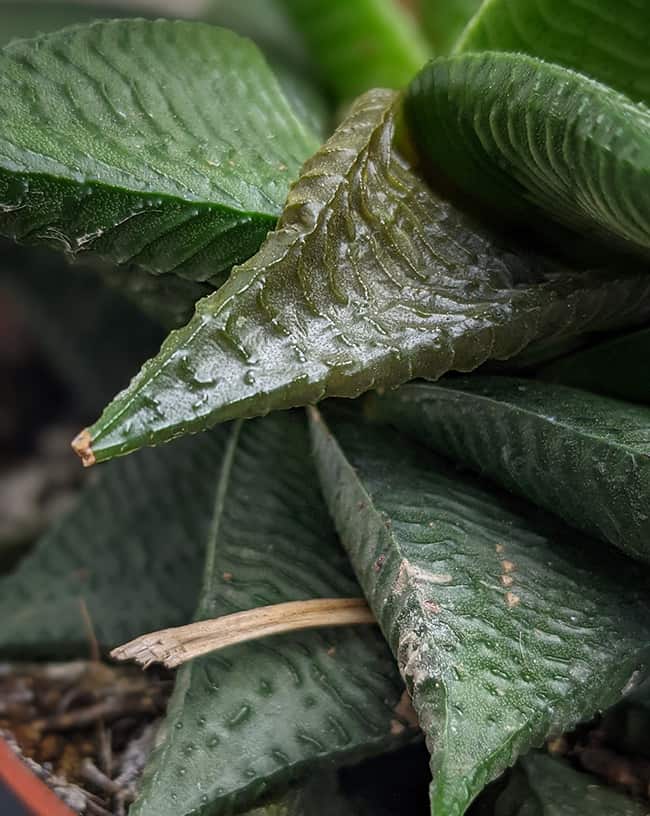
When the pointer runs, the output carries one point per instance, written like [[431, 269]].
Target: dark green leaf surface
[[607, 41], [542, 786], [369, 281], [617, 367], [359, 45], [536, 140], [132, 549], [502, 629], [577, 454], [164, 144], [444, 20], [249, 718]]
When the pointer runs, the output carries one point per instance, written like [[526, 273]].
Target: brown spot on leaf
[[227, 576], [507, 566], [512, 600], [499, 548], [81, 445], [379, 563], [405, 711], [507, 580], [432, 606]]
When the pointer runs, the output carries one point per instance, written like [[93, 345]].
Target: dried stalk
[[175, 646]]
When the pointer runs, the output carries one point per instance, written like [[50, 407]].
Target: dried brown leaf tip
[[81, 445]]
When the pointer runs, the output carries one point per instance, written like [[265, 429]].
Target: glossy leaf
[[616, 367], [246, 720], [502, 629], [444, 20], [609, 42], [542, 786], [537, 141], [359, 45], [582, 456], [369, 281], [132, 549], [164, 144]]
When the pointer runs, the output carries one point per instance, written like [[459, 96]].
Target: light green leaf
[[615, 367], [246, 720], [444, 20], [503, 631], [369, 281], [132, 549], [536, 140], [164, 144], [359, 45], [580, 455], [267, 24], [542, 786], [607, 41]]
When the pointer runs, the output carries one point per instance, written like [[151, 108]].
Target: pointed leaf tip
[[81, 445], [370, 280]]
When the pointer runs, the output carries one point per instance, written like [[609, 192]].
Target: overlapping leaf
[[444, 21], [360, 45], [369, 281], [616, 367], [164, 144], [542, 786], [580, 455], [537, 140], [132, 550], [248, 719], [503, 630], [605, 40]]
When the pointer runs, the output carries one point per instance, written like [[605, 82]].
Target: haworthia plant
[[538, 141], [502, 628], [369, 280], [248, 719], [132, 550], [616, 367], [359, 45], [603, 40], [444, 20], [164, 144], [542, 786], [580, 455]]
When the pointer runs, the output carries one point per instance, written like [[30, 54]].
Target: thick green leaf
[[267, 24], [248, 719], [369, 281], [542, 786], [359, 45], [502, 630], [164, 144], [616, 367], [577, 454], [607, 41], [536, 140], [444, 20], [132, 549]]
